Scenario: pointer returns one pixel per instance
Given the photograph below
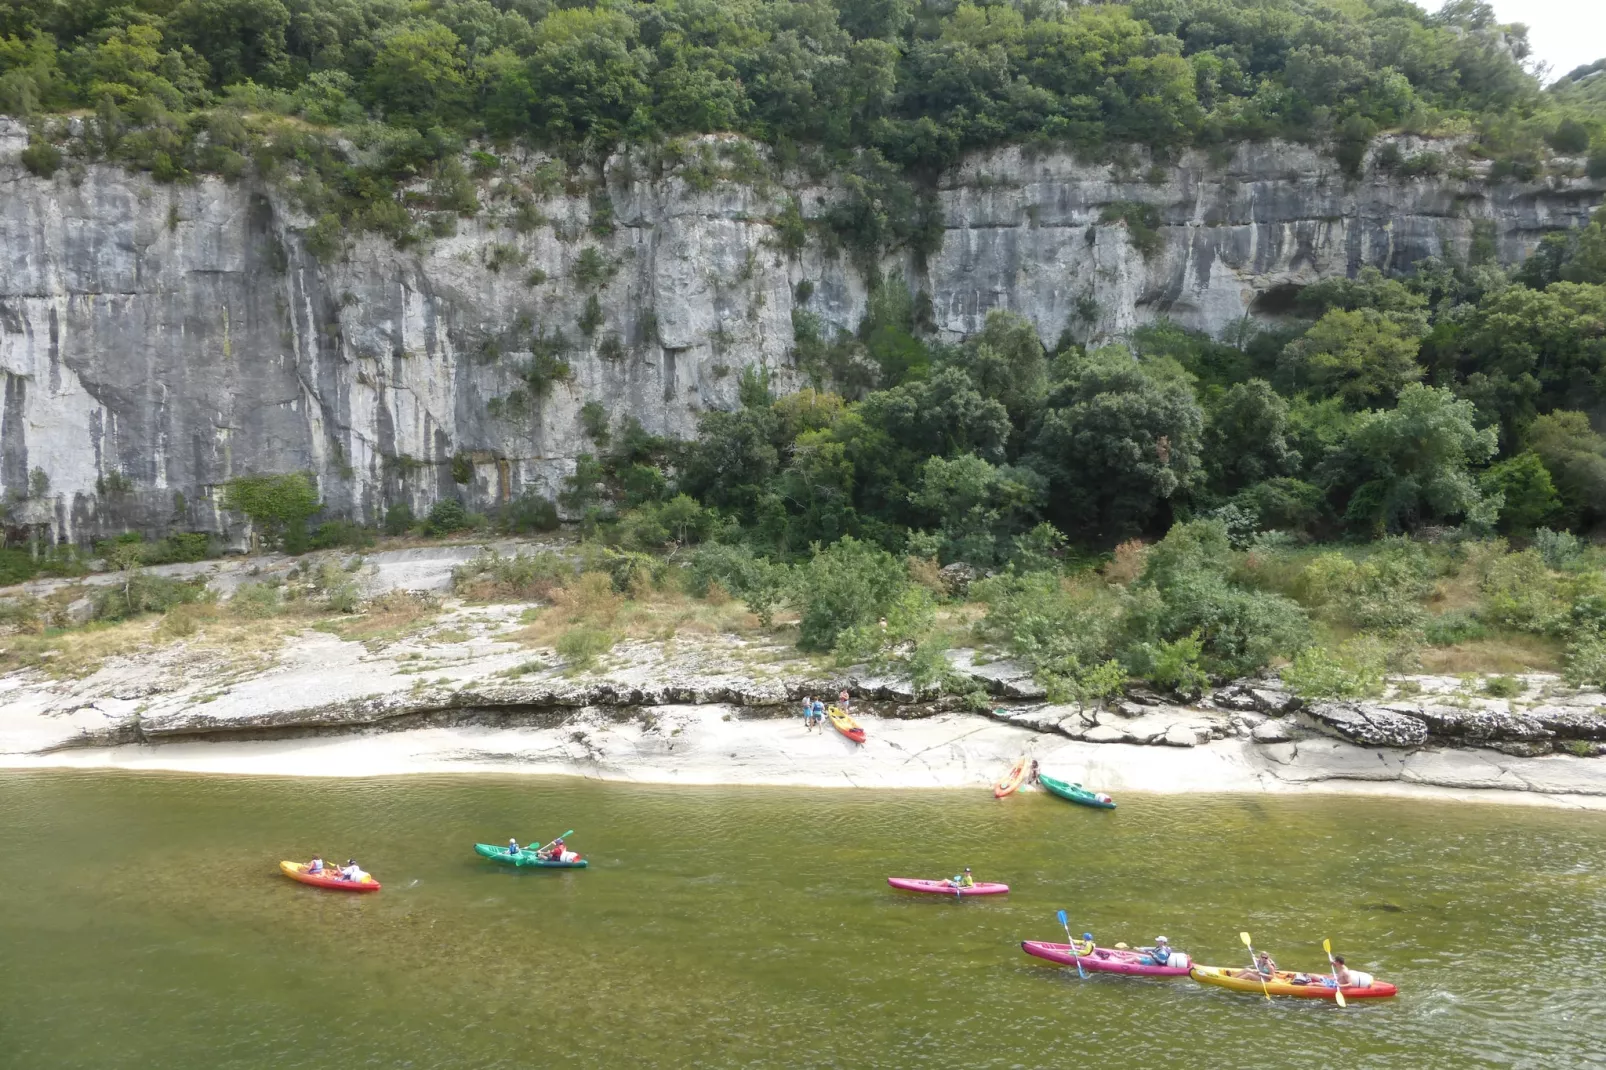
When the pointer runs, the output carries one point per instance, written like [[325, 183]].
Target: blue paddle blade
[[1062, 917]]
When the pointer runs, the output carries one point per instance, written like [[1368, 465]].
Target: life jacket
[[1160, 955]]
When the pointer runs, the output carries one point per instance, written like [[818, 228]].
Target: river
[[143, 923]]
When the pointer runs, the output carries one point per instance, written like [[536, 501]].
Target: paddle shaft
[[1255, 965], [1074, 956], [554, 840], [1338, 989]]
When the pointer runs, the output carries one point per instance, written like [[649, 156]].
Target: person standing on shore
[[808, 711]]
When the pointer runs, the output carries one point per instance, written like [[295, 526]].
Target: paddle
[[555, 839], [1253, 965], [1079, 971], [1338, 990]]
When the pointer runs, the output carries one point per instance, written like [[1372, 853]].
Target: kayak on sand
[[1109, 960], [912, 884], [297, 871], [1076, 793], [845, 724], [1012, 780], [1298, 985], [526, 858]]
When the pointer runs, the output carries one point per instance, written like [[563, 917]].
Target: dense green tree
[[1363, 357], [419, 74], [242, 40], [1412, 464], [1524, 488], [1117, 443], [1575, 456], [977, 508], [1246, 438]]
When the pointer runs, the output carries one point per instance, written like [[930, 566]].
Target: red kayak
[[1109, 960], [911, 884], [297, 871]]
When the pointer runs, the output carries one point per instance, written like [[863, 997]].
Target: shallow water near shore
[[753, 927]]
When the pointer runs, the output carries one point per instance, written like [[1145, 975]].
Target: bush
[[144, 593], [1175, 666], [445, 517], [1453, 627], [849, 583], [1502, 687], [279, 505], [399, 519], [41, 158], [342, 534], [1560, 549], [522, 577], [1586, 662], [1519, 593], [582, 645], [1355, 670], [16, 566], [530, 512], [180, 547], [255, 601], [1059, 628]]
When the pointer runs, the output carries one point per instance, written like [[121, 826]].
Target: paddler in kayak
[[352, 871], [1265, 969], [513, 846], [315, 867], [1342, 974], [964, 880], [1160, 953], [1086, 946], [553, 853]]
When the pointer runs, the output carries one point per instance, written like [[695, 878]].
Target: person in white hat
[[1160, 952]]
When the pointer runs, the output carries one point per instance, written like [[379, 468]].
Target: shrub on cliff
[[279, 506]]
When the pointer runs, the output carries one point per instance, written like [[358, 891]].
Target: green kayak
[[1076, 793], [525, 858]]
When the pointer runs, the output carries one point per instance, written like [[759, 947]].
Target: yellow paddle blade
[[1338, 994], [1245, 938], [1327, 946]]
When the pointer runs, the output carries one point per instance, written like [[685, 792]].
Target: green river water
[[143, 923]]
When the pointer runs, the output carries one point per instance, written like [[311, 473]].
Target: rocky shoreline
[[459, 691]]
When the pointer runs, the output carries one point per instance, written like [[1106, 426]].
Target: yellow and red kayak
[[845, 724], [1287, 983], [297, 871], [1012, 779]]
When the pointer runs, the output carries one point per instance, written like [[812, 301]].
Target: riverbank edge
[[704, 746]]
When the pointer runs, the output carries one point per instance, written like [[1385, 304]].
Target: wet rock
[[1370, 726]]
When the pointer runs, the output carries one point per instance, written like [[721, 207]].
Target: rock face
[[1370, 726], [157, 340]]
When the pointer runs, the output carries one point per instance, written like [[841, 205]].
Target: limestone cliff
[[158, 339]]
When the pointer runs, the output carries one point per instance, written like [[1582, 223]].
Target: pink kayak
[[910, 884], [1109, 960]]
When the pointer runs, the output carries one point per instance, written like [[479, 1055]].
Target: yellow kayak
[[1283, 983], [1012, 779], [845, 724]]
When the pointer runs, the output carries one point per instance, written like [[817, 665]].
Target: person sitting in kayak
[[964, 880], [315, 867], [1160, 953], [1341, 972], [352, 871], [1265, 969], [553, 852], [513, 846], [1085, 946]]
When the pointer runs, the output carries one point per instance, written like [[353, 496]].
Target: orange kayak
[[297, 871], [1012, 780]]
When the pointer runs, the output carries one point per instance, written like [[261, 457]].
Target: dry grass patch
[[587, 617], [78, 652], [1496, 654], [392, 616]]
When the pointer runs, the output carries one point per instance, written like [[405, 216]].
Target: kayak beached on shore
[[925, 887], [1109, 959], [1012, 779], [525, 859], [845, 724], [1076, 793], [297, 871], [1289, 983]]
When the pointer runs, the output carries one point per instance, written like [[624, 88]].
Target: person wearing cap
[[512, 846], [964, 880], [1160, 952], [352, 871], [1086, 946]]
